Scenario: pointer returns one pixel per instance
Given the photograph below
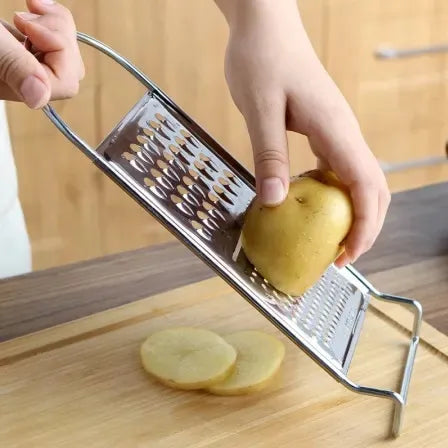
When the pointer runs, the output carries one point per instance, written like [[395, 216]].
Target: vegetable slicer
[[185, 179]]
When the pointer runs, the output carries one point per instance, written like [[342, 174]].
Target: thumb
[[21, 72], [267, 130]]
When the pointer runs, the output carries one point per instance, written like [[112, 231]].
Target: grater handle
[[63, 126], [69, 134]]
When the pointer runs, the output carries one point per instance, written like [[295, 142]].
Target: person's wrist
[[244, 15]]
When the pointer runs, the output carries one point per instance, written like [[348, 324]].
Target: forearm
[[242, 13], [258, 21]]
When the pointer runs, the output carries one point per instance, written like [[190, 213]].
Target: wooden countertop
[[410, 258]]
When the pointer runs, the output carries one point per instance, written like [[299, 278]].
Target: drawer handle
[[416, 163], [394, 53]]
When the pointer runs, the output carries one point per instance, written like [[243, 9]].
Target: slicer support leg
[[399, 398]]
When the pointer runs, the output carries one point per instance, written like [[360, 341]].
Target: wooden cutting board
[[81, 385]]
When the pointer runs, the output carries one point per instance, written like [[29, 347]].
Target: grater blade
[[185, 179], [201, 194]]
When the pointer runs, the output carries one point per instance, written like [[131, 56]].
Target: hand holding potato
[[279, 84]]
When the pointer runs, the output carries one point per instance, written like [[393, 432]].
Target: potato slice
[[259, 358], [187, 358]]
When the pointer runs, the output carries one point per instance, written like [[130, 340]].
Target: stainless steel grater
[[185, 179]]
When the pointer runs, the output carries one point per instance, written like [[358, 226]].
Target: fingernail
[[33, 91], [48, 2], [272, 191], [28, 15]]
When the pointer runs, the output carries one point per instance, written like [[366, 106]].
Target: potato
[[187, 358], [259, 358], [292, 245]]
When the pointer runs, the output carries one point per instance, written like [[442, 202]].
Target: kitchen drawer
[[402, 100]]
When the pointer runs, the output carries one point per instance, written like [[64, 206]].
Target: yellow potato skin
[[292, 245]]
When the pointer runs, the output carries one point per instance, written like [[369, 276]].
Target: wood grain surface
[[410, 258], [43, 299], [81, 384]]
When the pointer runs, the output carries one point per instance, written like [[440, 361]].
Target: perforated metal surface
[[198, 191]]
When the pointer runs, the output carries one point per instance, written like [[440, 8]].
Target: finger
[[349, 157], [54, 32], [57, 17], [61, 57], [266, 125], [323, 165], [343, 260], [13, 30], [62, 66], [43, 39], [21, 72], [6, 93], [57, 60], [364, 229], [383, 206]]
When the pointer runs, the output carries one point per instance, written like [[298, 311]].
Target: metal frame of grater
[[186, 180]]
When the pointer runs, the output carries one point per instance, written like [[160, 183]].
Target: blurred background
[[74, 212]]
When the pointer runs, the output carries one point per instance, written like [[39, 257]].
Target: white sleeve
[[15, 252]]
